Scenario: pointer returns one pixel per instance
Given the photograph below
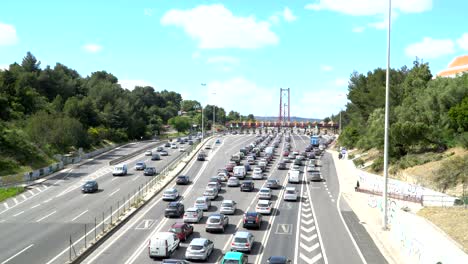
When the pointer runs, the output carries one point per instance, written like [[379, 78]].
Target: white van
[[293, 176], [163, 244], [239, 172], [120, 170], [269, 150], [173, 145]]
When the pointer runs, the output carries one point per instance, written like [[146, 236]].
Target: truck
[[315, 141]]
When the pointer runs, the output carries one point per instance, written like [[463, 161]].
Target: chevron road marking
[[307, 238], [305, 209], [316, 258], [308, 230], [309, 249], [6, 205], [307, 222], [306, 215]]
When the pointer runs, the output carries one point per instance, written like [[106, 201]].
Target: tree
[[190, 106], [30, 63], [180, 123], [452, 172], [251, 117]]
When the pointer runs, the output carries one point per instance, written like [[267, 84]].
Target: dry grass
[[453, 221]]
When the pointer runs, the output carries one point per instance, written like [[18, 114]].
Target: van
[[120, 170], [236, 158], [239, 172], [163, 244], [293, 176]]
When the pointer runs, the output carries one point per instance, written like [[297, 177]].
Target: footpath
[[409, 238]]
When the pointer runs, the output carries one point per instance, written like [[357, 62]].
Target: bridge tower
[[284, 106]]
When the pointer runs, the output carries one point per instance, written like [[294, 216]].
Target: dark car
[[282, 165], [90, 187], [252, 219], [273, 184], [175, 261], [278, 260], [167, 145], [201, 156], [247, 166], [182, 230], [150, 171], [182, 179], [298, 162], [174, 209], [159, 148], [311, 155], [247, 186]]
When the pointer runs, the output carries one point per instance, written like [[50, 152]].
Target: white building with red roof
[[458, 66]]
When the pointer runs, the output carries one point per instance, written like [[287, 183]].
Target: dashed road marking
[[16, 201], [76, 217], [42, 218], [114, 192], [18, 213], [35, 206], [6, 205], [48, 200], [24, 196], [31, 192], [145, 224]]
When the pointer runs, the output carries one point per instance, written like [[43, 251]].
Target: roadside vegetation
[[6, 193], [54, 110], [427, 117]]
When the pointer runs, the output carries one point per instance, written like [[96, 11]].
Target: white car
[[257, 174], [148, 153], [228, 207], [294, 176], [203, 203], [263, 207], [211, 193], [193, 215], [170, 194], [181, 149], [290, 194], [173, 145], [264, 193], [222, 176], [233, 182], [295, 167]]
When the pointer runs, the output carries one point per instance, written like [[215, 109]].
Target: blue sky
[[243, 50]]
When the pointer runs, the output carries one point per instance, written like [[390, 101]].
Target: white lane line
[[80, 215], [42, 218], [15, 255], [48, 200], [18, 213], [24, 196], [44, 186], [136, 178], [37, 188], [112, 193], [333, 200], [6, 205], [35, 206], [31, 192], [299, 211], [113, 179], [16, 201]]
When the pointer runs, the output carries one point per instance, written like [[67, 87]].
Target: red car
[[286, 153], [182, 230], [229, 167]]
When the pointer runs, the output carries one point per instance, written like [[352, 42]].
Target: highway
[[35, 227], [312, 230]]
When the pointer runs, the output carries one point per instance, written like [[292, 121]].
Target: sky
[[243, 50]]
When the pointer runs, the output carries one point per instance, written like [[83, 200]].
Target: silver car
[[242, 241], [216, 222], [228, 207], [170, 194], [203, 203], [193, 215], [264, 193], [199, 248], [233, 182], [211, 193]]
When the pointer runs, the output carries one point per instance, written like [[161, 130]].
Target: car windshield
[[200, 201], [176, 230], [227, 204], [240, 240], [196, 247], [290, 192], [265, 190], [262, 205], [214, 220]]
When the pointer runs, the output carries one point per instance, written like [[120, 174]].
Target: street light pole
[[387, 113]]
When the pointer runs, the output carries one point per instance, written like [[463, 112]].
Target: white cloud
[[274, 19], [358, 29], [214, 26], [196, 55], [288, 15], [130, 84], [326, 67], [7, 35], [148, 11], [92, 48], [463, 41], [370, 7], [430, 48], [4, 67], [312, 103], [341, 82], [223, 59]]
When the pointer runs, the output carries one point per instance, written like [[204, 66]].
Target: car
[[201, 157], [230, 167], [214, 179], [175, 261], [290, 194], [234, 258], [273, 184], [140, 165], [148, 153], [252, 219], [251, 160], [218, 141], [149, 171], [295, 167], [228, 207], [174, 209], [160, 148], [297, 161], [163, 153], [181, 149], [257, 174], [156, 156], [207, 146], [310, 155], [90, 187], [203, 203], [233, 182], [264, 193], [216, 222], [211, 193], [281, 165], [193, 215], [170, 194], [263, 207], [167, 145], [294, 176], [215, 185], [182, 180], [222, 176], [315, 176], [247, 186], [291, 156], [199, 248], [242, 241], [262, 165], [119, 170], [182, 230], [190, 142], [278, 260], [247, 166]]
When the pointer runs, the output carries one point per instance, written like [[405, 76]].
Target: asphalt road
[[36, 227]]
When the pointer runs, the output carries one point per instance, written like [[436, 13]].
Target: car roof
[[265, 188], [174, 203], [140, 162], [251, 214], [242, 234], [90, 181], [216, 215], [233, 255], [192, 209], [263, 202], [178, 224], [202, 198], [290, 188], [171, 189], [278, 258], [227, 201], [198, 241]]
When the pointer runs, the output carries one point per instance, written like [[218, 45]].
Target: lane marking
[[48, 200], [18, 213], [35, 206], [42, 218], [16, 201], [112, 193], [76, 217], [6, 205], [113, 179], [136, 178], [31, 192], [24, 196], [15, 255]]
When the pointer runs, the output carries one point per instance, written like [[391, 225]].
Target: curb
[[89, 250]]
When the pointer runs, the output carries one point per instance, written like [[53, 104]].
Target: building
[[458, 66]]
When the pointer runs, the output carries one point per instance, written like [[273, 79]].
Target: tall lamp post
[[387, 113]]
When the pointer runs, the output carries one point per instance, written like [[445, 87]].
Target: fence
[[96, 228]]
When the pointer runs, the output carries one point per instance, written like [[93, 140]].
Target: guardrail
[[408, 198], [135, 153]]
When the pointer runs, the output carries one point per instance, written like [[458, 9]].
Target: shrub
[[358, 162], [377, 165]]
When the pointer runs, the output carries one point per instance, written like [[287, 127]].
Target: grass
[[452, 220], [6, 193]]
